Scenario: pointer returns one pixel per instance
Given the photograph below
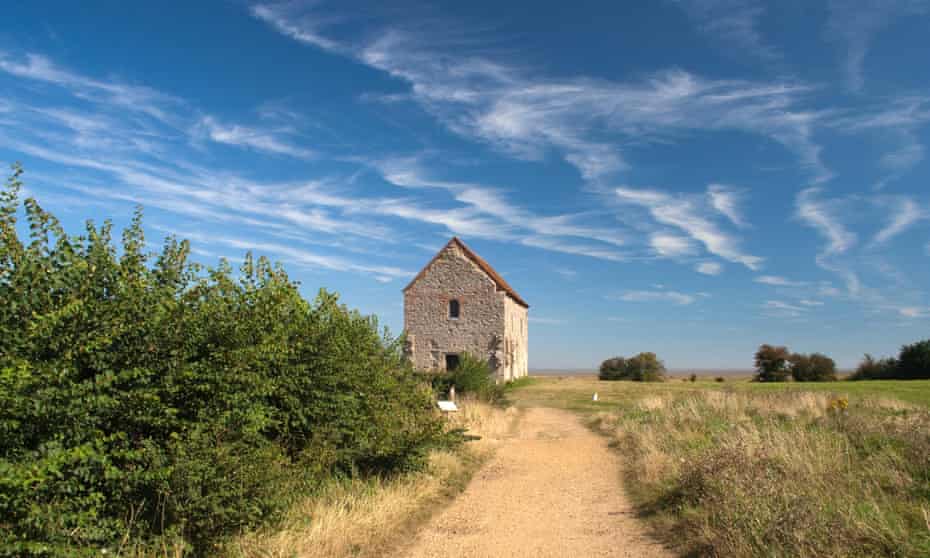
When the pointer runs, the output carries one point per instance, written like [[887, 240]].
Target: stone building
[[458, 304]]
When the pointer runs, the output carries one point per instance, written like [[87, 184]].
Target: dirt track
[[552, 490]]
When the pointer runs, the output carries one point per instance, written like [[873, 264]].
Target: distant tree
[[692, 378], [772, 364], [875, 369], [914, 361], [613, 369], [645, 367], [812, 368]]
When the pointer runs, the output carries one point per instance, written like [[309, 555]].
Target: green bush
[[772, 364], [812, 368], [612, 369], [142, 396], [644, 367], [913, 363], [472, 376]]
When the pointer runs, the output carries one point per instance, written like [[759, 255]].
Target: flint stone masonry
[[492, 321]]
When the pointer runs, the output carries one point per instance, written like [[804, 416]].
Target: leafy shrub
[[812, 368], [644, 367], [720, 379], [612, 369], [142, 396], [692, 378], [772, 364], [914, 361], [471, 376]]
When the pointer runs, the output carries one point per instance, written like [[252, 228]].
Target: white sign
[[447, 406]]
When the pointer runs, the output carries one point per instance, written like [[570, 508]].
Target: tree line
[[778, 364]]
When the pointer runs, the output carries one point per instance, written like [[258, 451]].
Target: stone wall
[[515, 341], [431, 333]]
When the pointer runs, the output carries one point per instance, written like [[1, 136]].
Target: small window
[[452, 362], [453, 308]]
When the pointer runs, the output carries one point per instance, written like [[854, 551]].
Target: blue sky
[[690, 178]]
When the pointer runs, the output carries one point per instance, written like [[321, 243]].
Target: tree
[[645, 367], [772, 364], [914, 361], [872, 369], [613, 369], [812, 368]]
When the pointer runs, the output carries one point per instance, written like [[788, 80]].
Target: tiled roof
[[479, 261]]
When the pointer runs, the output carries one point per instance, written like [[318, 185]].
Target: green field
[[575, 392]]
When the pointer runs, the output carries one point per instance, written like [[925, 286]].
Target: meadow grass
[[742, 469], [575, 392]]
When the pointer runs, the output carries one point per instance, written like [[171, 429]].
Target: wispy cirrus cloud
[[778, 281], [735, 22], [669, 245], [897, 123], [657, 296], [854, 23], [691, 216], [709, 268], [904, 214], [129, 97], [269, 141], [821, 215], [726, 200], [780, 308], [585, 120]]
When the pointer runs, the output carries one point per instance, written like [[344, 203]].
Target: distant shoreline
[[673, 372]]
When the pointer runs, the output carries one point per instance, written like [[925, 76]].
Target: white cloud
[[896, 122], [657, 296], [300, 256], [567, 273], [806, 302], [905, 214], [242, 136], [582, 119], [669, 245], [128, 97], [735, 22], [726, 200], [783, 309], [778, 281], [820, 215], [854, 24], [709, 268], [690, 217]]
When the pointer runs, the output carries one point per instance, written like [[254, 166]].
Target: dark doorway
[[453, 308], [452, 362]]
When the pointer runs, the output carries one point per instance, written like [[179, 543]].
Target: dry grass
[[368, 517], [779, 474]]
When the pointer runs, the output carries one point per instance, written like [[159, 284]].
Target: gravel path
[[552, 490]]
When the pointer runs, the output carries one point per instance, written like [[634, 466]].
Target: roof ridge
[[481, 263]]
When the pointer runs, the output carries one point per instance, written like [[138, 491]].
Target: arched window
[[453, 308]]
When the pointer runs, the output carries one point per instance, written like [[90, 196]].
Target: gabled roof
[[479, 261]]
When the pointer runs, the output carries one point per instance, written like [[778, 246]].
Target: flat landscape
[[575, 390]]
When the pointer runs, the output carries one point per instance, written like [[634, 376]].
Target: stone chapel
[[458, 304]]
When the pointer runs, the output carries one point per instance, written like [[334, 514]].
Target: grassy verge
[[749, 471], [371, 517]]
